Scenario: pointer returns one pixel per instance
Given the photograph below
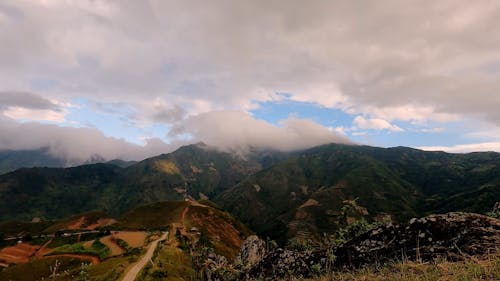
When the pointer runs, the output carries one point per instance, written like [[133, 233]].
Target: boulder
[[496, 208], [281, 263], [251, 252], [453, 236]]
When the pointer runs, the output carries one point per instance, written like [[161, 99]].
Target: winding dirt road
[[132, 273]]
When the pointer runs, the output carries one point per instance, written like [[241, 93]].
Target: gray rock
[[453, 236], [496, 208], [252, 251]]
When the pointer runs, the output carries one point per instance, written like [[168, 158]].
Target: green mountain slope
[[192, 171], [282, 195], [307, 194], [304, 195], [12, 160]]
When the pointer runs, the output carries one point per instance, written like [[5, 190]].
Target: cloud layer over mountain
[[185, 64]]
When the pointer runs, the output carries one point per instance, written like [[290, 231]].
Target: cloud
[[163, 114], [465, 148], [436, 57], [374, 124], [75, 145], [234, 131], [26, 100], [238, 131], [31, 106], [20, 113]]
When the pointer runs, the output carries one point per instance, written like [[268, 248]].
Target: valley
[[186, 215]]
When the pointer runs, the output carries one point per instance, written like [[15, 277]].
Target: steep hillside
[[310, 192], [194, 171], [305, 195], [192, 230], [295, 194], [467, 182], [55, 192], [11, 160], [222, 231]]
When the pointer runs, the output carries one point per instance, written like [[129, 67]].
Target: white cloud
[[26, 114], [76, 145], [464, 148], [226, 130], [165, 61], [389, 59], [360, 122], [238, 131]]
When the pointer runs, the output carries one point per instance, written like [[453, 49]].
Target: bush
[[96, 249], [159, 274], [495, 215]]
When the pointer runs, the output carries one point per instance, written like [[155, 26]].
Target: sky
[[132, 79]]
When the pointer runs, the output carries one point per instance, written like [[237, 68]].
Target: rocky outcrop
[[282, 263], [252, 252], [496, 208], [212, 267], [452, 236]]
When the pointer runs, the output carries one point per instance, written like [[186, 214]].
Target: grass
[[96, 249], [487, 269], [153, 216], [167, 167], [110, 269], [36, 269], [170, 264]]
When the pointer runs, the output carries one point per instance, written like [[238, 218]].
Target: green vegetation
[[303, 195], [13, 228], [51, 193], [495, 215], [36, 269], [110, 269], [473, 269], [171, 263], [153, 216], [268, 191], [97, 249], [13, 160]]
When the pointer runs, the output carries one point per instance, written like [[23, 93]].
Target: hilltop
[[284, 196], [112, 245]]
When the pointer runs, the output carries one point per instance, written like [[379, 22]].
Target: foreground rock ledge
[[453, 236]]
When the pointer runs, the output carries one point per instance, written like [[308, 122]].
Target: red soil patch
[[19, 253], [133, 238], [184, 213], [101, 223], [110, 242], [76, 224], [43, 250], [220, 230], [88, 244]]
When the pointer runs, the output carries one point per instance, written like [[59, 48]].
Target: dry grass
[[173, 261], [485, 269], [113, 247], [134, 239], [167, 167], [19, 253]]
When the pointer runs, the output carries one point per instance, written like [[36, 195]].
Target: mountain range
[[277, 194]]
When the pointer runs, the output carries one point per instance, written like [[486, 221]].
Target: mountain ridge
[[293, 192]]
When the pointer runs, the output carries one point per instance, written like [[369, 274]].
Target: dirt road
[[132, 273]]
